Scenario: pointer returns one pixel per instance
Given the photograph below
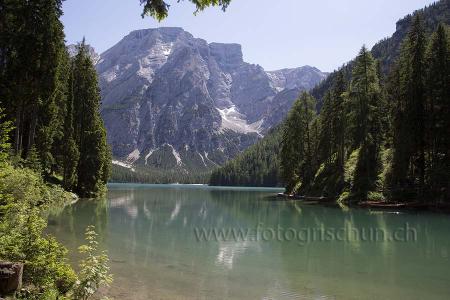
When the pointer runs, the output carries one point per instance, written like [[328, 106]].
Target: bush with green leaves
[[24, 197], [94, 268]]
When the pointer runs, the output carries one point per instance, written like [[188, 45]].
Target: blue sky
[[275, 34]]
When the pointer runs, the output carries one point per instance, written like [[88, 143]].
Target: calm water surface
[[149, 231]]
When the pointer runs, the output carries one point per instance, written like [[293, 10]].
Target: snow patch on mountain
[[233, 120], [122, 164], [133, 156]]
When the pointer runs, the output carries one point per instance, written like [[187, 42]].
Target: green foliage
[[5, 129], [366, 122], [86, 147], [299, 143], [409, 123], [32, 161], [159, 9], [257, 166], [437, 107], [421, 119], [70, 151], [397, 150], [45, 96], [94, 269], [32, 47], [34, 89], [385, 135], [24, 196]]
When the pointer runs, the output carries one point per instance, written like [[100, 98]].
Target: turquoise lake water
[[286, 250]]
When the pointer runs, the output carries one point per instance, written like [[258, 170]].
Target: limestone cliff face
[[172, 100]]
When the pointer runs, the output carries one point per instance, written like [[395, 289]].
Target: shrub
[[94, 268]]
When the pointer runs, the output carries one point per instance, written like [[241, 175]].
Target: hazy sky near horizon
[[274, 34]]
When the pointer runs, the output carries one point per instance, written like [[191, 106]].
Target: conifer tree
[[31, 47], [437, 105], [71, 153], [366, 106], [89, 131], [326, 139], [408, 168], [299, 144], [5, 129], [338, 121]]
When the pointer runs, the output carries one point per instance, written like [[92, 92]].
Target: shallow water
[[150, 234]]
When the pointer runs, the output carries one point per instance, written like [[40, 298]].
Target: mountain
[[73, 50], [259, 165], [306, 77], [386, 52], [170, 100]]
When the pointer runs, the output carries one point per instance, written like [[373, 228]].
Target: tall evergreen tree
[[70, 151], [437, 108], [31, 47], [326, 139], [332, 119], [338, 121], [408, 168], [298, 153], [89, 132], [366, 124]]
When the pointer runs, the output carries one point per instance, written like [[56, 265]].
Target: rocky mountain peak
[[170, 100], [228, 56], [306, 77], [72, 49]]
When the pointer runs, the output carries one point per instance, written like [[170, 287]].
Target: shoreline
[[380, 205]]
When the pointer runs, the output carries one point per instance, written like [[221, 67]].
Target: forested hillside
[[138, 174], [377, 138], [387, 50], [384, 53], [258, 166]]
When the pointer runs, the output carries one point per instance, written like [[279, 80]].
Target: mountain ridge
[[170, 100], [386, 51]]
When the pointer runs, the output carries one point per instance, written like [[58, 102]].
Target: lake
[[199, 242]]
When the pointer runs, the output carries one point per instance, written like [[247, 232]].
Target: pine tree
[[298, 153], [5, 129], [338, 121], [437, 105], [32, 161], [366, 106], [31, 47], [89, 132], [408, 168], [326, 139], [71, 154]]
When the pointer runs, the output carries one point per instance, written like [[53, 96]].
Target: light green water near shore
[[149, 232]]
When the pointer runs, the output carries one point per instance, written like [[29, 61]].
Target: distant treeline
[[147, 175], [257, 166]]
